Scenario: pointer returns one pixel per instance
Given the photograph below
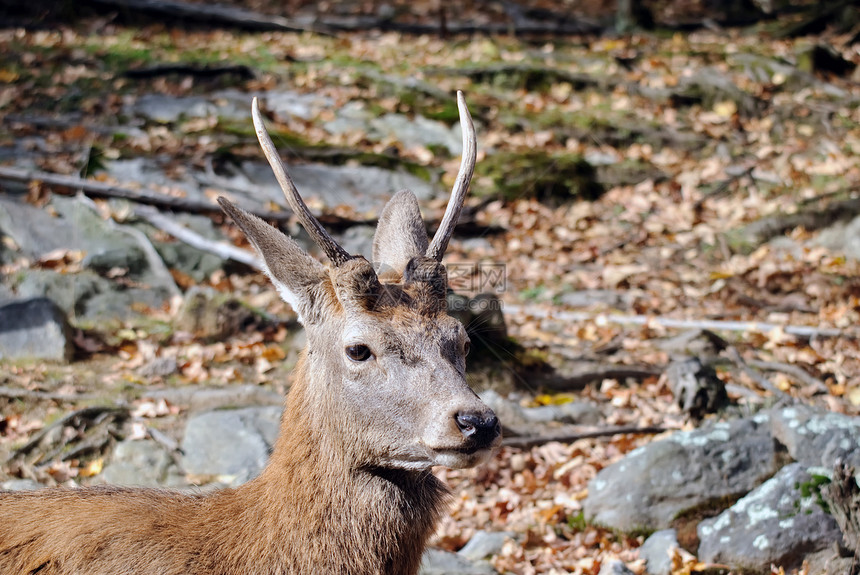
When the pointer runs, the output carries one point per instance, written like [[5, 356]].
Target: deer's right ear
[[400, 235], [296, 275]]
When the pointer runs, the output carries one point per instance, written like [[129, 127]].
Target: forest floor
[[691, 139]]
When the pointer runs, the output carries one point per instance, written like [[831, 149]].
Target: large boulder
[[779, 523], [655, 483]]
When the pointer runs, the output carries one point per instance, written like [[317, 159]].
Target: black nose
[[482, 428]]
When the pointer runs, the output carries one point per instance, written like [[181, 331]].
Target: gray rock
[[614, 567], [20, 485], [484, 544], [815, 437], [34, 329], [656, 482], [5, 294], [72, 292], [144, 463], [149, 173], [180, 256], [289, 103], [829, 562], [107, 247], [158, 367], [773, 524], [352, 117], [165, 109], [418, 131], [233, 445], [86, 295], [657, 551], [438, 562], [842, 237]]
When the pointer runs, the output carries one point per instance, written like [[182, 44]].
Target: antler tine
[[332, 249], [437, 247]]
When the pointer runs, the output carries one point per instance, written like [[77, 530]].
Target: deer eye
[[358, 352]]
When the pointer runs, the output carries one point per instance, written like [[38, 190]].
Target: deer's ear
[[400, 235], [297, 276]]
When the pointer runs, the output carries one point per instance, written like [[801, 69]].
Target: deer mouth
[[469, 454]]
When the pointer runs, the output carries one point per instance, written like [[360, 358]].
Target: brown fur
[[308, 512]]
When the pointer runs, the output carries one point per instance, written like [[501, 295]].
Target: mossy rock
[[547, 177]]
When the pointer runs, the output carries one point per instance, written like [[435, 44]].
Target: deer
[[379, 397]]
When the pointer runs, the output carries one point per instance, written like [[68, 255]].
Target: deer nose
[[482, 428]]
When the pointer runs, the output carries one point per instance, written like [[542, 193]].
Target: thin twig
[[16, 393], [532, 440], [714, 325], [794, 371], [163, 439], [763, 382]]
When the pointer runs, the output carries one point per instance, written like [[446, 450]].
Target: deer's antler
[[437, 247], [332, 249]]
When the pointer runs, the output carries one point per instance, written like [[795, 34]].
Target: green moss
[[814, 488], [577, 522]]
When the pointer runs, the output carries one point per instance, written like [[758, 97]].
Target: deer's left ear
[[298, 277], [400, 235]]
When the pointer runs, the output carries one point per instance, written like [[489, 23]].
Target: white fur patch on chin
[[456, 460]]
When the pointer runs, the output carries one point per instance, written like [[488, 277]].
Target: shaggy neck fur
[[385, 516]]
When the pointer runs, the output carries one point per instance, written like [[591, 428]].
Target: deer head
[[383, 378]]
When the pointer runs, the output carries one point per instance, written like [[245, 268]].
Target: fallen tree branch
[[215, 14], [668, 322], [578, 381], [96, 189], [533, 440], [221, 249]]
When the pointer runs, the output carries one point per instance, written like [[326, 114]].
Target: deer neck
[[386, 514]]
